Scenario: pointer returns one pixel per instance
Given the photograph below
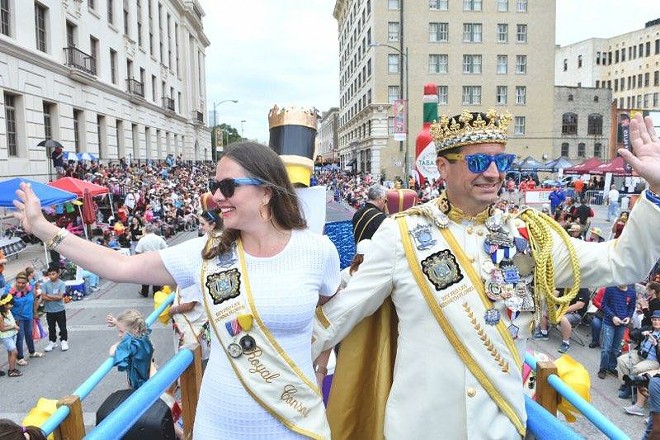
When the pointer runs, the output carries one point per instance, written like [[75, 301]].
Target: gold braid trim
[[539, 226]]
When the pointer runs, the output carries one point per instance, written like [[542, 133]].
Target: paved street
[[59, 373]]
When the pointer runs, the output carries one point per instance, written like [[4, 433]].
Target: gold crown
[[470, 128], [292, 116]]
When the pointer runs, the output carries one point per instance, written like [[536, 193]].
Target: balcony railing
[[168, 103], [78, 59], [135, 87], [199, 116]]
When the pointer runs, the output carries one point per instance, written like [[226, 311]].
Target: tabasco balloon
[[424, 147]]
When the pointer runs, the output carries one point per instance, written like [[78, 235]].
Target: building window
[[472, 32], [501, 95], [471, 95], [440, 5], [521, 33], [127, 18], [393, 4], [10, 124], [438, 63], [655, 99], [48, 120], [438, 32], [502, 5], [565, 150], [521, 95], [393, 94], [581, 150], [94, 53], [5, 18], [502, 33], [521, 64], [598, 149], [647, 79], [595, 124], [471, 64], [519, 125], [521, 5], [113, 66], [472, 5], [579, 61], [393, 63], [111, 16], [596, 96], [569, 123], [77, 122], [91, 4], [502, 62], [565, 64], [40, 26], [570, 97], [393, 31], [443, 95]]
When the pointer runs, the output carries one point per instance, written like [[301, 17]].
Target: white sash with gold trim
[[454, 292], [268, 374]]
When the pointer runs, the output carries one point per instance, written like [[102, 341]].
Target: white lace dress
[[285, 289]]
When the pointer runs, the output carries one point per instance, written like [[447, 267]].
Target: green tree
[[225, 134]]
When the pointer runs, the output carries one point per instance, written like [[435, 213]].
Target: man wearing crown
[[465, 284]]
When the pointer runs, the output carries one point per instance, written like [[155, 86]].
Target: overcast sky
[[266, 52]]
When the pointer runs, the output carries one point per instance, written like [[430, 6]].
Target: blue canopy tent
[[47, 194]]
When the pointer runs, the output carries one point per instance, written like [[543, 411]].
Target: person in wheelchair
[[573, 316]]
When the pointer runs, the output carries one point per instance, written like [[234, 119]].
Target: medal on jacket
[[423, 237], [247, 342], [492, 316], [234, 328]]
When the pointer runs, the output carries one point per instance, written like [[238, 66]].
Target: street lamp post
[[404, 87], [215, 124]]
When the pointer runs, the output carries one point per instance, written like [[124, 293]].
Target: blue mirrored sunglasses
[[228, 186], [479, 162]]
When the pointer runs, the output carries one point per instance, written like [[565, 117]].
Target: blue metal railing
[[592, 414], [122, 418], [95, 378]]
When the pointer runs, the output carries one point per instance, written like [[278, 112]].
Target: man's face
[[469, 191]]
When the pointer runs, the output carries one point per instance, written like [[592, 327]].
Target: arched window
[[595, 124], [579, 61], [565, 64], [569, 122], [564, 149]]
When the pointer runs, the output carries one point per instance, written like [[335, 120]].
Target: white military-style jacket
[[457, 372]]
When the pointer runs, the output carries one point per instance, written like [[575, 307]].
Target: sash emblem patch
[[224, 285], [441, 269], [423, 237]]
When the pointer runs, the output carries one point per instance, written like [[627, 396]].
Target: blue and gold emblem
[[423, 237], [442, 269], [225, 285], [227, 259]]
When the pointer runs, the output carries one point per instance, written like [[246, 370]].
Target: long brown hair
[[263, 163]]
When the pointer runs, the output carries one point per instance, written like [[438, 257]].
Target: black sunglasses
[[228, 186]]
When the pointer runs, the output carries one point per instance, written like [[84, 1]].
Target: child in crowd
[[53, 295], [8, 332], [133, 352], [10, 430]]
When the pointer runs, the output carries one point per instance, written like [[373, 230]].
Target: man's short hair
[[376, 192], [149, 228]]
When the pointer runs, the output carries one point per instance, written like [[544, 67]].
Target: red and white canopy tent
[[584, 167], [84, 190], [617, 167]]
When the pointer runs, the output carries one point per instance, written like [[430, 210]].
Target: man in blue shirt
[[618, 306], [556, 198]]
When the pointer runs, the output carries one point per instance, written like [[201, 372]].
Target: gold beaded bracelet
[[54, 242]]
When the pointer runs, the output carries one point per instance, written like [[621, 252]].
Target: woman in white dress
[[283, 269]]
